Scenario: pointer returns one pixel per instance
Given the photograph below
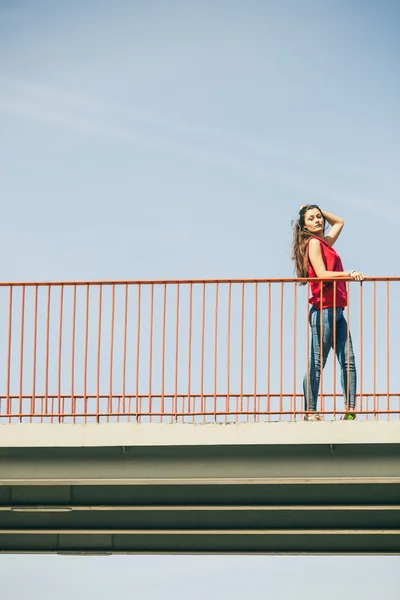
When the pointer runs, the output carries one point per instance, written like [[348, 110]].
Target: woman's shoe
[[313, 417], [350, 416]]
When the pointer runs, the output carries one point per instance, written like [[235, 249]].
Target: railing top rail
[[182, 281]]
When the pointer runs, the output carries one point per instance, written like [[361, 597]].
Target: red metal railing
[[191, 351]]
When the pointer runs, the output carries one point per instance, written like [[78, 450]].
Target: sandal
[[313, 417], [350, 416]]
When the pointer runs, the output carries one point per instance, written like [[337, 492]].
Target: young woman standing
[[314, 256]]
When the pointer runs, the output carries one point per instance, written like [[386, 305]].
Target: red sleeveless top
[[332, 262]]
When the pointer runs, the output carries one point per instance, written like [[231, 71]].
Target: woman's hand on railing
[[356, 276]]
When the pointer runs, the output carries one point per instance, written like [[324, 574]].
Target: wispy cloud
[[256, 158], [51, 105]]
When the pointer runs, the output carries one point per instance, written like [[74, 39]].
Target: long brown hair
[[301, 237]]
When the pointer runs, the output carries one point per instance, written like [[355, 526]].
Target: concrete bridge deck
[[328, 487]]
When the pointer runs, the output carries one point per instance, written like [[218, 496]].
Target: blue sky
[[178, 139], [198, 577]]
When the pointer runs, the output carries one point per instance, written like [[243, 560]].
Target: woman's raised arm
[[336, 226]]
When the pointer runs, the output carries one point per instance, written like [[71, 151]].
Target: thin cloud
[[70, 100], [50, 104]]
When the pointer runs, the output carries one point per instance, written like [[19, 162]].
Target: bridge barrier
[[186, 351]]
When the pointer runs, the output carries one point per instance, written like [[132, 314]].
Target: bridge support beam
[[215, 488]]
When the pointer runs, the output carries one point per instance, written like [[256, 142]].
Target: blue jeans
[[344, 353]]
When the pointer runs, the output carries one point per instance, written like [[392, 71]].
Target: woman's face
[[314, 221]]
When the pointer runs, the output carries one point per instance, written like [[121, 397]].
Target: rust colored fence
[[186, 351]]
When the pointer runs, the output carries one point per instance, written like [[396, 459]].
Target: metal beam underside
[[261, 499]]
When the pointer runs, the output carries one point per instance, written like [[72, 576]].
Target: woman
[[314, 256]]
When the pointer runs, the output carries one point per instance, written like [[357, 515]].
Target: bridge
[[167, 416]]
